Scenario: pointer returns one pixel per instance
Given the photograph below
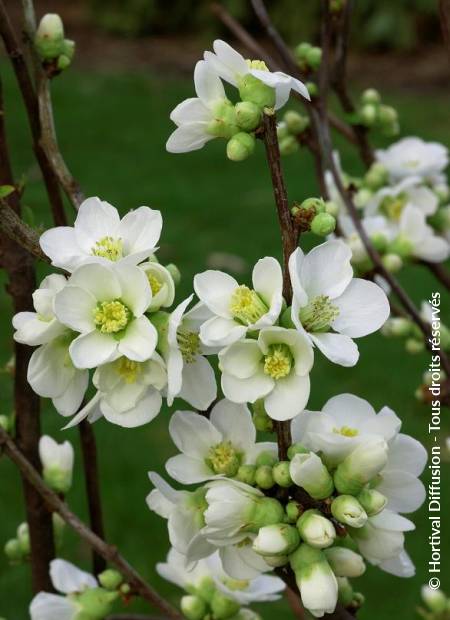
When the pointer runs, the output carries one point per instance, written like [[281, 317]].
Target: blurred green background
[[112, 127]]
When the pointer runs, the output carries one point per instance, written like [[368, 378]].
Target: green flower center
[[128, 369], [189, 343], [109, 248], [236, 584], [246, 305], [393, 206], [111, 317], [318, 314], [155, 283], [278, 362], [223, 459], [346, 431], [257, 64]]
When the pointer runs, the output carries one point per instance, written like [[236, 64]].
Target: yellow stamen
[[246, 305], [128, 369], [257, 64], [155, 284], [278, 362], [109, 248], [346, 431], [111, 317]]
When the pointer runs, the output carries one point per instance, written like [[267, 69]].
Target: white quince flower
[[57, 463], [274, 367], [99, 235], [326, 296], [215, 447], [106, 306], [391, 201], [68, 580], [414, 156], [237, 309], [374, 226], [233, 68], [419, 237], [162, 285], [129, 392]]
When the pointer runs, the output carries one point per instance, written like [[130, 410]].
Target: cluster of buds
[[437, 604], [404, 328], [315, 215], [372, 113], [289, 130], [17, 550], [308, 57], [53, 49], [206, 600]]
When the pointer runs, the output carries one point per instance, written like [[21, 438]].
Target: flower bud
[[397, 327], [174, 272], [413, 346], [261, 420], [296, 123], [264, 477], [110, 579], [372, 501], [312, 89], [296, 448], [23, 536], [347, 510], [359, 467], [240, 146], [314, 57], [316, 204], [5, 423], [392, 262], [57, 463], [344, 562], [376, 176], [379, 241], [282, 131], [49, 37], [288, 145], [277, 539], [193, 607], [281, 474], [370, 95], [275, 561], [308, 472], [248, 115], [315, 580], [316, 530], [323, 224], [266, 458], [293, 511], [205, 588], [96, 602], [252, 89], [222, 606], [246, 474], [247, 614], [401, 246], [345, 591], [267, 511], [13, 550], [362, 197], [435, 600], [331, 208], [387, 115], [368, 114]]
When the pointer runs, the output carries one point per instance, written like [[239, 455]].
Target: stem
[[18, 231], [108, 552], [444, 15], [439, 272]]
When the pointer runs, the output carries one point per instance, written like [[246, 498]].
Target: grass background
[[112, 130]]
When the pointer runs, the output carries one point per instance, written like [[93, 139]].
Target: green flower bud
[[387, 115], [397, 327], [376, 176], [49, 38], [360, 466], [282, 131], [248, 115], [379, 241], [288, 145], [308, 472], [362, 197], [368, 114], [323, 224], [253, 90], [60, 480], [315, 579], [295, 123], [266, 458], [316, 530], [5, 423], [296, 448], [293, 511], [302, 50], [331, 208], [267, 511], [160, 320], [347, 510], [370, 95], [435, 600], [222, 606], [315, 204], [345, 591], [372, 501], [240, 146], [281, 474], [264, 477], [401, 246], [392, 262], [96, 603], [110, 579], [413, 346], [344, 562], [358, 599], [174, 272], [314, 57], [246, 474], [312, 89], [275, 561], [13, 550], [193, 607], [247, 614], [68, 48], [23, 536], [63, 62], [278, 539], [224, 124]]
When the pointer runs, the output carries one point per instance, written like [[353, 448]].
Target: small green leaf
[[6, 190]]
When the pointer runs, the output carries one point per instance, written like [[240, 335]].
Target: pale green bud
[[247, 614], [358, 599], [96, 603], [314, 57], [193, 607], [323, 224], [252, 89], [401, 246], [376, 176], [387, 115], [360, 466], [110, 579], [397, 327], [379, 241], [13, 550], [296, 123], [308, 471], [275, 561], [246, 474], [293, 511], [174, 272], [435, 600], [282, 131], [281, 474], [302, 49], [413, 346], [248, 115], [368, 114], [316, 204], [205, 588], [266, 458], [49, 38], [267, 511], [392, 262], [362, 197], [345, 591], [63, 62], [316, 530], [296, 448], [370, 95], [372, 501], [60, 480], [288, 145], [224, 124], [261, 420], [264, 477], [5, 423], [312, 89], [69, 48], [222, 606], [347, 510], [277, 539], [23, 536], [240, 146], [345, 562], [331, 208]]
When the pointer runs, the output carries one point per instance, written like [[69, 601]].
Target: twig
[[108, 552], [295, 603], [444, 15], [21, 233], [439, 272]]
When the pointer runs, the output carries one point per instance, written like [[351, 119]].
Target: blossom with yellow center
[[246, 305], [129, 370], [346, 431], [111, 317], [318, 314], [223, 459], [278, 362], [189, 344], [155, 283], [108, 247]]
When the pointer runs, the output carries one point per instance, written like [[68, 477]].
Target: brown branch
[[19, 266], [444, 15], [295, 603], [18, 231], [439, 271], [52, 502]]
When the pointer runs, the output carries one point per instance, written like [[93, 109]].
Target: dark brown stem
[[295, 603], [18, 231], [18, 264], [440, 273], [91, 474], [444, 15], [108, 552]]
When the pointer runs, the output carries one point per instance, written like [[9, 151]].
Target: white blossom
[[414, 156], [57, 462]]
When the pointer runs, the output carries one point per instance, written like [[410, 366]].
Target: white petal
[[267, 278], [45, 606], [220, 332], [93, 349], [145, 410], [67, 578], [215, 288], [70, 400], [288, 398], [187, 470], [326, 269], [61, 246], [48, 374], [400, 566], [433, 249], [295, 264], [140, 230], [208, 85], [407, 454], [100, 280], [199, 387], [190, 111], [246, 390], [389, 520], [96, 219], [337, 348], [34, 331], [349, 410], [74, 307], [193, 434], [241, 359], [242, 562], [386, 423], [170, 494], [363, 308], [139, 341], [186, 138], [226, 62], [135, 288], [404, 491], [235, 423]]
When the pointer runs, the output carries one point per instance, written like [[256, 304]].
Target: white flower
[[99, 235], [419, 237], [106, 306], [67, 579], [189, 374], [376, 225], [162, 285], [232, 67], [315, 580], [391, 201], [214, 447], [344, 423], [57, 462], [236, 308], [326, 296], [128, 392], [413, 156], [274, 367]]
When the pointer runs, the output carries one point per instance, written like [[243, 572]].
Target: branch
[[108, 552], [444, 15], [439, 271], [18, 231]]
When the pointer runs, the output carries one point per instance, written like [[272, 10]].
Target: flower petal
[[199, 387], [95, 220], [407, 454], [93, 349], [363, 308], [135, 288], [75, 307], [349, 410], [190, 111], [186, 138], [215, 288], [208, 85], [404, 491], [235, 423], [70, 400], [67, 578], [99, 280], [220, 332], [326, 269], [188, 470], [246, 390], [288, 398], [145, 410], [193, 434], [338, 348], [241, 359], [140, 340], [140, 230], [61, 246], [45, 606]]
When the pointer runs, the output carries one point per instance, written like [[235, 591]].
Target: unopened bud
[[372, 501], [362, 197], [295, 123], [387, 115], [345, 591], [288, 145], [266, 458], [277, 539], [397, 327], [293, 511], [302, 49], [315, 204], [312, 89], [252, 89], [331, 208], [361, 466], [401, 246], [435, 600], [347, 510], [248, 115], [110, 579], [174, 272], [376, 176], [23, 536], [5, 423], [222, 606], [275, 561], [308, 472], [267, 511], [49, 37], [315, 580], [379, 241], [205, 588], [370, 95], [368, 114], [96, 602], [281, 474], [316, 530], [13, 550], [264, 477], [323, 224], [413, 346], [314, 57], [261, 420], [246, 474], [345, 562], [392, 262], [193, 607], [296, 448], [240, 146]]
